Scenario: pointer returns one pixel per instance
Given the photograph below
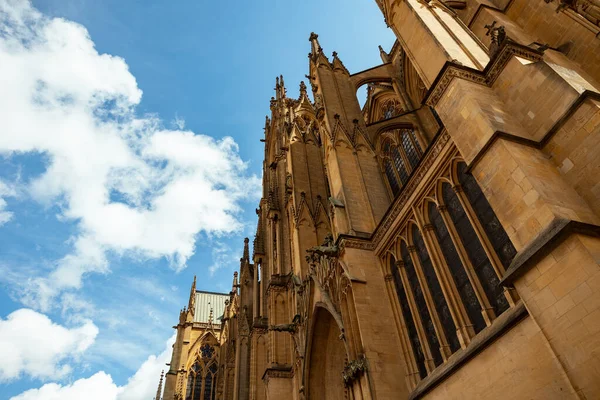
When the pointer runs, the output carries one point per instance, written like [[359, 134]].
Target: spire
[[385, 57], [235, 285], [210, 316], [315, 46], [246, 257], [160, 383], [338, 64], [192, 302], [302, 89], [279, 88]]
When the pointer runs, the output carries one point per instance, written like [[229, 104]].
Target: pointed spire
[[315, 46], [235, 285], [302, 89], [210, 316], [246, 257], [192, 301], [385, 57], [160, 384], [337, 63]]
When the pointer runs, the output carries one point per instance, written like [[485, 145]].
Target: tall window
[[202, 376], [413, 336], [493, 229], [436, 291], [417, 292], [457, 270], [401, 154], [481, 263]]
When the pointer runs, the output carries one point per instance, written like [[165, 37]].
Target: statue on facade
[[589, 9]]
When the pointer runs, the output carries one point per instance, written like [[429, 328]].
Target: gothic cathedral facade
[[440, 242]]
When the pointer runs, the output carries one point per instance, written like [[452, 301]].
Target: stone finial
[[160, 384], [302, 89], [246, 256], [385, 57], [192, 301]]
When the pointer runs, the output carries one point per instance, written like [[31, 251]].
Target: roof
[[207, 300]]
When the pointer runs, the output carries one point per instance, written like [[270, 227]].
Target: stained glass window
[[413, 280], [492, 227], [409, 148], [408, 320], [483, 268], [400, 167], [391, 176], [457, 270], [436, 291], [207, 351]]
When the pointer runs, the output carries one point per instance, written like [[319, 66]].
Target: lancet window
[[445, 268], [202, 375], [400, 154]]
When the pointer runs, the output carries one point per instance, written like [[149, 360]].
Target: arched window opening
[[413, 280], [411, 329], [436, 291], [457, 270], [410, 146], [481, 264], [210, 391], [399, 164], [194, 386], [391, 176], [491, 225], [202, 376]]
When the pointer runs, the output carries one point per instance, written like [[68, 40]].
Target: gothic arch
[[326, 357]]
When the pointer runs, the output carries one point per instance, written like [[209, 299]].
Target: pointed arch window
[[439, 300], [474, 249], [202, 375], [400, 160], [490, 223], [413, 336], [457, 270], [423, 311]]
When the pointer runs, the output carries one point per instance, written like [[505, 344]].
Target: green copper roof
[[207, 300]]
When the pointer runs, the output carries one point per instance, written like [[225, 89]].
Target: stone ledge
[[278, 371], [587, 94], [479, 343], [543, 244]]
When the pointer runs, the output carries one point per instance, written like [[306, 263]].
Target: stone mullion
[[437, 324], [458, 312], [429, 363], [387, 183], [413, 139], [395, 169], [486, 308], [407, 164], [511, 296], [411, 363]]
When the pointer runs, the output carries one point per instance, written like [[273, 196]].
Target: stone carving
[[354, 369], [327, 272], [589, 9], [498, 36]]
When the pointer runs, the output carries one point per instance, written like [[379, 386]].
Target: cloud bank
[[132, 187], [32, 345]]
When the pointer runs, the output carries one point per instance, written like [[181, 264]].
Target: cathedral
[[441, 241]]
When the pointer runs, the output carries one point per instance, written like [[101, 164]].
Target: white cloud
[[131, 186], [5, 191], [100, 386], [223, 256], [31, 344]]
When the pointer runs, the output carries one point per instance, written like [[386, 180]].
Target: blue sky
[[130, 161]]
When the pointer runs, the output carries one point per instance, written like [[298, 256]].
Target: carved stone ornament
[[498, 36], [326, 271], [353, 370], [589, 9]]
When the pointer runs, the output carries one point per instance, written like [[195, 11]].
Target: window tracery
[[202, 375], [451, 242], [400, 155]]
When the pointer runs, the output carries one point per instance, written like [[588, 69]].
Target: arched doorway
[[327, 357]]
